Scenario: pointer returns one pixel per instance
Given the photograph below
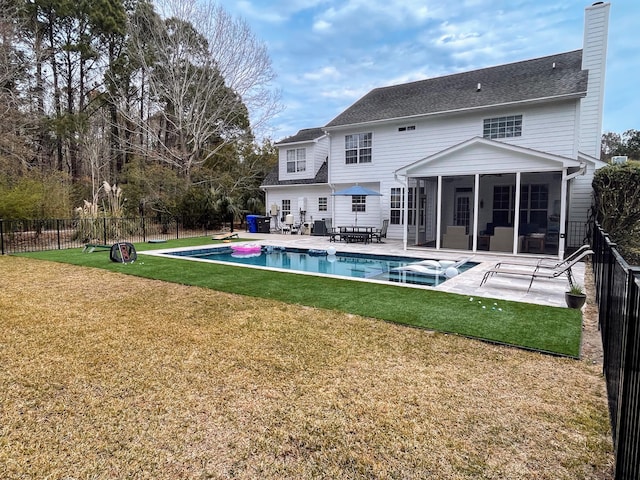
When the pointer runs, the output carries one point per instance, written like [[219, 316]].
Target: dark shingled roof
[[321, 177], [304, 135], [528, 80]]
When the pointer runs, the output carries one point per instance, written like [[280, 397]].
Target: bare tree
[[16, 123], [206, 75]]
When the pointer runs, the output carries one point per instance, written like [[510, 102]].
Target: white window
[[502, 127], [322, 204], [358, 203], [296, 160], [358, 148], [286, 208], [396, 204]]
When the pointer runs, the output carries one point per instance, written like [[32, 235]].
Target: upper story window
[[410, 128], [502, 127], [358, 148], [296, 160]]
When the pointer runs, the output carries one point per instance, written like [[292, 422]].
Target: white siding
[[320, 153], [594, 59], [310, 171], [315, 154], [311, 193], [581, 196], [547, 128]]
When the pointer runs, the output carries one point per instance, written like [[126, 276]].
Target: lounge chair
[[538, 271], [224, 236], [432, 267], [91, 247], [548, 262]]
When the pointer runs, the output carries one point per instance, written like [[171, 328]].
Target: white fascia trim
[[315, 140], [296, 185]]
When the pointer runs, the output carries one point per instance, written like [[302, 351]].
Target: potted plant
[[575, 297]]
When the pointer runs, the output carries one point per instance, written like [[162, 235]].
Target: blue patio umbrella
[[356, 190]]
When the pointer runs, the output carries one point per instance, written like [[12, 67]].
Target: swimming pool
[[385, 268]]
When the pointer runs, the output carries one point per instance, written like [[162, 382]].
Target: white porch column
[[476, 212], [562, 233], [405, 208], [439, 212], [516, 214]]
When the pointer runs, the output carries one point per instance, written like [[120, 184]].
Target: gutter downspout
[[562, 234]]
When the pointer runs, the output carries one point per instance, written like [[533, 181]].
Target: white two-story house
[[498, 159]]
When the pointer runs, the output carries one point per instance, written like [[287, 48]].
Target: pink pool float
[[246, 248]]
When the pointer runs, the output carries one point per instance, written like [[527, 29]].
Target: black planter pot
[[575, 300]]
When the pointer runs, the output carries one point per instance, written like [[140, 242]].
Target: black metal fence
[[54, 234], [618, 296]]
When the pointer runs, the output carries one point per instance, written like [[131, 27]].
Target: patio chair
[[381, 233], [334, 235], [538, 271], [501, 240], [456, 238]]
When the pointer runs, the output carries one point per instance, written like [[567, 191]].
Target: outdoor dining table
[[355, 234]]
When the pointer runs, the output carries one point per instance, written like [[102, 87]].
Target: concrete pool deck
[[503, 287]]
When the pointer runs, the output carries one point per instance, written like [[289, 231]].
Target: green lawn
[[546, 329]]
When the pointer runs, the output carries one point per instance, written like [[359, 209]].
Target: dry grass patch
[[111, 376]]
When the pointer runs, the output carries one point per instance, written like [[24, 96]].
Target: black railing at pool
[[20, 236], [618, 295]]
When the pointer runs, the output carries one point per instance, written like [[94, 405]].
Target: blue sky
[[329, 53]]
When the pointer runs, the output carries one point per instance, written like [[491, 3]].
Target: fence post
[[144, 230], [104, 230], [177, 228], [2, 236], [58, 232]]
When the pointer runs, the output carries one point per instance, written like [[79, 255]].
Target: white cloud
[[323, 74], [345, 93], [269, 15], [321, 26]]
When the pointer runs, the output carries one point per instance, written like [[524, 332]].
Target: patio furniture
[[381, 233], [334, 235], [534, 243], [352, 234], [456, 237], [548, 263], [501, 240], [91, 247], [354, 237], [225, 236], [538, 271]]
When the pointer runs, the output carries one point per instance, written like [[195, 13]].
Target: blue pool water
[[351, 265]]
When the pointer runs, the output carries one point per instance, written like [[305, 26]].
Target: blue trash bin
[[252, 223]]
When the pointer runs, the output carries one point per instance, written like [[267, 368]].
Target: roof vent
[[554, 65], [479, 87]]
